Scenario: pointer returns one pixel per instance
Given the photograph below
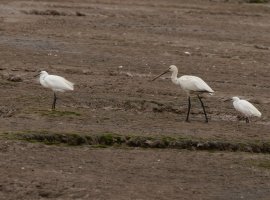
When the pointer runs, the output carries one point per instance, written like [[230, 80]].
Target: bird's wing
[[194, 83], [58, 83], [241, 108], [247, 108], [251, 109]]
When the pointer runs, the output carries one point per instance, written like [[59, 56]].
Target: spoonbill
[[192, 85], [245, 108], [56, 83]]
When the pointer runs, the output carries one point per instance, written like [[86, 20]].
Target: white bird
[[245, 108], [192, 85], [56, 83]]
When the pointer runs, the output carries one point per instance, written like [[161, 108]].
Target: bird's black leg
[[206, 119], [247, 120], [54, 101], [189, 106]]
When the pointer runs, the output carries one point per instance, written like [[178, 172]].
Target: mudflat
[[111, 50]]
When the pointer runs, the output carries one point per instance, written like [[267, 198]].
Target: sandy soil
[[110, 50]]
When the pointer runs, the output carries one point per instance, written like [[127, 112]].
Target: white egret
[[192, 85], [245, 108], [56, 83]]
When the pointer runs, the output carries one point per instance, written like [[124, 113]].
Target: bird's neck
[[43, 76], [174, 77]]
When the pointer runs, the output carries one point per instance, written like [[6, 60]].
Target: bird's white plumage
[[191, 84], [245, 107], [194, 84], [54, 82]]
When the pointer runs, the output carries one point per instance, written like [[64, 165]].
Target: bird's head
[[235, 99], [173, 68], [41, 73], [231, 99]]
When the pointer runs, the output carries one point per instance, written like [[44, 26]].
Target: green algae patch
[[117, 140]]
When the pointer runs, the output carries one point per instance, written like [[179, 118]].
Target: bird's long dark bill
[[37, 75], [160, 75], [228, 99]]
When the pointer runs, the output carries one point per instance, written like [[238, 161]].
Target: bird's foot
[[187, 121]]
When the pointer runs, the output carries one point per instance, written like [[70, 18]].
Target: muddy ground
[[110, 50]]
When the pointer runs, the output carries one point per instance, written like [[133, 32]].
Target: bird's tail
[[70, 84]]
